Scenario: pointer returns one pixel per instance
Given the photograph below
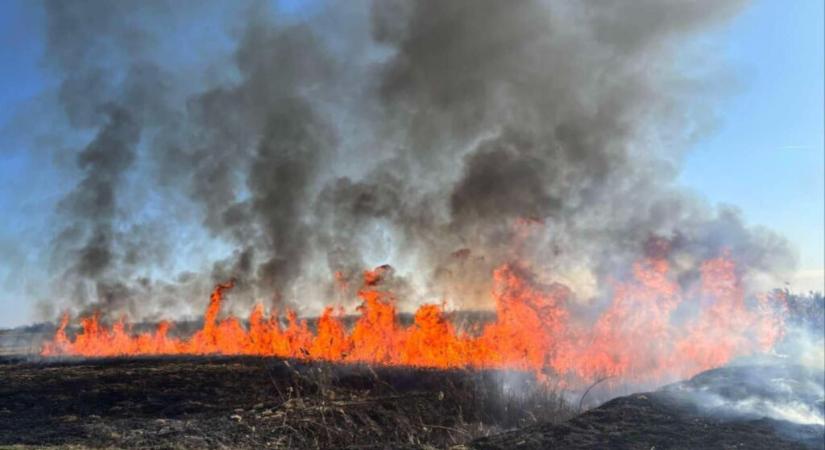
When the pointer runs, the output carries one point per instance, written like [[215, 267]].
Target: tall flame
[[651, 330]]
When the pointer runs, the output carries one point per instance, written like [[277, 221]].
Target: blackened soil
[[247, 402], [720, 409]]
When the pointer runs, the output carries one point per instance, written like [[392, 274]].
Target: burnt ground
[[739, 407], [250, 402], [649, 421]]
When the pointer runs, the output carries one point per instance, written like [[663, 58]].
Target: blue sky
[[765, 156]]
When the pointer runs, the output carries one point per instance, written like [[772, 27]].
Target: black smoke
[[443, 137]]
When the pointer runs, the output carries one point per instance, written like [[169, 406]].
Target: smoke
[[279, 148], [790, 398], [87, 246]]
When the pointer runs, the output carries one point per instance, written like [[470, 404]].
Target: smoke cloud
[[279, 148]]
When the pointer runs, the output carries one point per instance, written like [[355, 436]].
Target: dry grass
[[244, 402]]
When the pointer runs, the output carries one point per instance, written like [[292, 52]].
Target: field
[[244, 402], [248, 402]]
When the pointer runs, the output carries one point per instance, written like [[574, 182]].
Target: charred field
[[464, 224], [257, 402], [254, 402]]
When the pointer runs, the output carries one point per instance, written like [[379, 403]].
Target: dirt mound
[[733, 407]]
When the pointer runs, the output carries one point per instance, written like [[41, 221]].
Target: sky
[[764, 155]]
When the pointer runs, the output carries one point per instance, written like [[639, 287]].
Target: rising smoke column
[[572, 115], [110, 89], [443, 137]]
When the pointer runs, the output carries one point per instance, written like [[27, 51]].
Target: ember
[[645, 334]]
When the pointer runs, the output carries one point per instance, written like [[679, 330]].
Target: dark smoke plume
[[443, 137]]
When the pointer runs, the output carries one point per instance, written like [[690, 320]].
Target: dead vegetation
[[252, 402], [245, 402]]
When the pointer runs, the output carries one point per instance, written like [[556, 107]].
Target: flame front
[[650, 331]]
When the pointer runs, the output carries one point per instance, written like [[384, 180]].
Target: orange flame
[[650, 330]]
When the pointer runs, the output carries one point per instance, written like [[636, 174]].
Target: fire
[[651, 329]]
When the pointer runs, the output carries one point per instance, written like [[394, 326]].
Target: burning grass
[[652, 330], [377, 380]]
